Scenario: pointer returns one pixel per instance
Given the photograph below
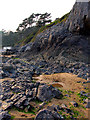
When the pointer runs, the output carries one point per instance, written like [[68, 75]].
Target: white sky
[[12, 12]]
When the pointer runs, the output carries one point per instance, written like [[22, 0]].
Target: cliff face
[[69, 39], [79, 19]]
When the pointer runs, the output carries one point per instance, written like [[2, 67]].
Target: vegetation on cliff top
[[29, 29]]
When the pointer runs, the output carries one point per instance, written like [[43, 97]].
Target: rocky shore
[[18, 88], [62, 48]]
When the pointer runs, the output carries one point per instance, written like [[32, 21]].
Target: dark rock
[[20, 102], [16, 89], [26, 103], [47, 114], [68, 110], [29, 93], [57, 93], [44, 93], [3, 75], [80, 17], [4, 115], [74, 104], [82, 92], [8, 68], [88, 82], [22, 49], [7, 96], [0, 103]]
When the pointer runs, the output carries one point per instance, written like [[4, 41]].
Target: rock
[[44, 93], [7, 96], [82, 92], [88, 105], [68, 110], [26, 103], [57, 93], [86, 95], [8, 68], [67, 95], [0, 103], [37, 84], [6, 105], [44, 114], [16, 61], [35, 91], [74, 104], [47, 115], [88, 81], [63, 106], [22, 49], [4, 115], [16, 97], [80, 17], [52, 108], [16, 89], [41, 105], [28, 47], [86, 100], [29, 93], [20, 102], [3, 74]]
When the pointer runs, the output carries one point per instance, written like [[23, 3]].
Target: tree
[[44, 18], [34, 20]]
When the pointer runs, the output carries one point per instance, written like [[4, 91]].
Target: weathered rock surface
[[4, 115], [61, 48], [68, 39], [46, 93], [79, 19], [48, 114]]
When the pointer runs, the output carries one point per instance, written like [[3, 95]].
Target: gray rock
[[79, 17], [4, 115], [22, 49], [20, 102], [7, 96], [16, 97], [47, 115], [28, 47], [8, 67], [57, 93], [3, 74], [44, 93]]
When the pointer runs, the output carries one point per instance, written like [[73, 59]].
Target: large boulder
[[48, 115], [46, 93]]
